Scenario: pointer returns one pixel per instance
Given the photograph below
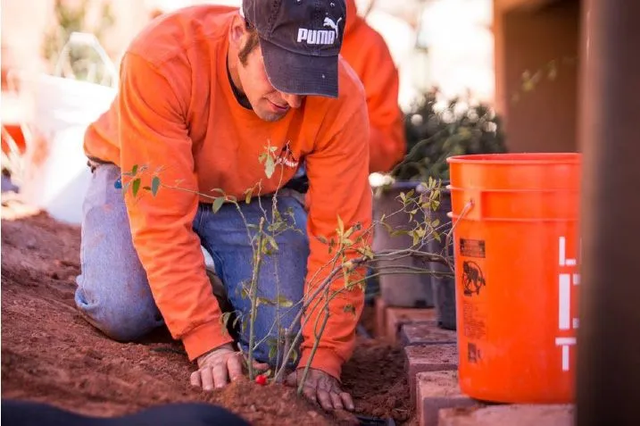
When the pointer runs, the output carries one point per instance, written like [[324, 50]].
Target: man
[[204, 93], [367, 53]]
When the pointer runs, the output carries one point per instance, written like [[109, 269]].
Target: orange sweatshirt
[[366, 51], [176, 112]]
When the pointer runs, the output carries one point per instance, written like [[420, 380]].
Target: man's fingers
[[260, 366], [220, 375], [291, 380], [347, 401], [207, 378], [195, 379], [324, 399], [336, 401], [310, 393], [235, 368]]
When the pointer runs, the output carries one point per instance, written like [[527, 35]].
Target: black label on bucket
[[472, 248], [473, 353], [472, 278]]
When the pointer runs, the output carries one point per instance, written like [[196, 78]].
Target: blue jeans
[[113, 292]]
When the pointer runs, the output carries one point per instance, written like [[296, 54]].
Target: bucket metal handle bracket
[[91, 41], [449, 239]]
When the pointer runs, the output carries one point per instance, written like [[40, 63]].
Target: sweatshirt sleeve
[[381, 82], [338, 173], [153, 134]]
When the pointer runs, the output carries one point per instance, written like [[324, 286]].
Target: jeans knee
[[122, 320]]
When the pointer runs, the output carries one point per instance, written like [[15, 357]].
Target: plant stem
[[285, 350], [253, 295], [314, 349], [356, 262]]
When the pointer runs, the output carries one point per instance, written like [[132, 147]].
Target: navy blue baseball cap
[[300, 42]]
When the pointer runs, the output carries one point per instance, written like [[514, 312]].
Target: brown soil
[[50, 354], [376, 379]]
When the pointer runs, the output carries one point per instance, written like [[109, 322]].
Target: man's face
[[268, 103]]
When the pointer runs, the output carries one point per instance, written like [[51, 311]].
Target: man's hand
[[219, 367], [323, 388]]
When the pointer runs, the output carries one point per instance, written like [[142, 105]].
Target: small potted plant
[[435, 129]]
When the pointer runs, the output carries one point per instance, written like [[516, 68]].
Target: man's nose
[[294, 101]]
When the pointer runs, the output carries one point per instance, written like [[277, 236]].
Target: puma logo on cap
[[324, 37]]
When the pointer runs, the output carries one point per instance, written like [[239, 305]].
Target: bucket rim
[[456, 217], [520, 158], [513, 191]]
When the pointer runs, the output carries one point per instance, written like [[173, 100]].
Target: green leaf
[[247, 199], [265, 301], [236, 320], [284, 302], [224, 319], [217, 204], [134, 170], [388, 227], [155, 185], [135, 186], [269, 166], [272, 242], [350, 231], [273, 351], [366, 252], [416, 237]]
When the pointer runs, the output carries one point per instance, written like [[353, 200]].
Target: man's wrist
[[324, 359], [204, 339]]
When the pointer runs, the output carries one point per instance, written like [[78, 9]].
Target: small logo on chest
[[287, 158]]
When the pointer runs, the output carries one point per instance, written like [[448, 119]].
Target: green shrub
[[437, 130]]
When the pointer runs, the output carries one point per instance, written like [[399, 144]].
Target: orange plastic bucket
[[516, 257]]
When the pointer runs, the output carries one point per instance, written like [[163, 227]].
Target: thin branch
[[314, 349], [254, 298]]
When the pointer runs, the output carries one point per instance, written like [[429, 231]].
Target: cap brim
[[298, 74]]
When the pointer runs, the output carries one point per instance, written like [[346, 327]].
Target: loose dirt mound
[[50, 354]]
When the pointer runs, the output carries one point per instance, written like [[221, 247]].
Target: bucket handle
[[449, 239], [90, 40]]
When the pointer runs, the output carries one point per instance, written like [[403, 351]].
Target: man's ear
[[237, 31]]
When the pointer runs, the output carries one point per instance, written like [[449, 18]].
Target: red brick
[[421, 358], [521, 415], [424, 333], [395, 318], [437, 390]]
